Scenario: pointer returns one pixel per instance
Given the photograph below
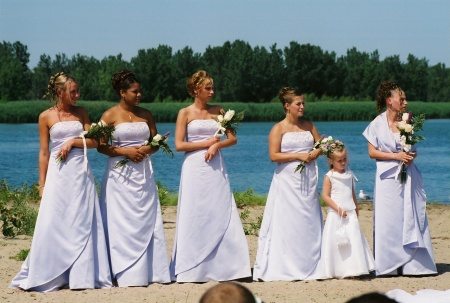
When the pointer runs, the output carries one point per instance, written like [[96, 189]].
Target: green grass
[[21, 255], [28, 111], [18, 209]]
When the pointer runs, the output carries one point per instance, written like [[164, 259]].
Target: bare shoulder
[[215, 109], [145, 113], [278, 129], [307, 125], [110, 114], [46, 113]]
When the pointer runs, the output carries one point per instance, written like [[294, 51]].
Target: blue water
[[248, 162]]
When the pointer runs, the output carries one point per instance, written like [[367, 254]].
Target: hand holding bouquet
[[97, 131], [157, 140], [228, 120], [327, 144], [407, 127]]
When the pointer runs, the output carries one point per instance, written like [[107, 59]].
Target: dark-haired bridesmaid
[[129, 197], [402, 241]]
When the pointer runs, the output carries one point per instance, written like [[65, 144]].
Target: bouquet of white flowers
[[327, 144], [157, 141], [408, 126], [228, 120]]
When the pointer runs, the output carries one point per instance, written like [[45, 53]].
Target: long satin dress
[[69, 245], [401, 232], [291, 230], [132, 215], [210, 243]]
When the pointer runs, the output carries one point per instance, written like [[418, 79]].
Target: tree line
[[241, 73]]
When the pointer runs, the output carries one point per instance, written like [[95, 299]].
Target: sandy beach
[[334, 290]]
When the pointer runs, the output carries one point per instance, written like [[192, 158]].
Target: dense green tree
[[185, 63], [154, 68], [41, 76], [438, 84], [309, 68], [15, 77], [267, 73], [108, 67], [415, 78], [241, 73]]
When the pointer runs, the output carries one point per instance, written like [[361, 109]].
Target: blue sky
[[100, 28]]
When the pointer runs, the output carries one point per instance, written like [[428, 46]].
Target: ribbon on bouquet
[[82, 135], [399, 170], [220, 130]]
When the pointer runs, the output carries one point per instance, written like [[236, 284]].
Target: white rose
[[229, 115], [403, 139], [93, 125], [401, 125], [102, 123], [157, 138], [408, 128], [405, 116], [220, 118]]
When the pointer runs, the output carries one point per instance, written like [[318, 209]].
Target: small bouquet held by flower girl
[[96, 131], [157, 141], [327, 144], [407, 127], [228, 120]]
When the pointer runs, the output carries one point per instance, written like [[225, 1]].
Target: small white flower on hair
[[220, 118]]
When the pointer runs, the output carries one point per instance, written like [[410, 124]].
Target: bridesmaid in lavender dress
[[129, 198], [291, 230], [210, 243], [402, 241], [69, 247]]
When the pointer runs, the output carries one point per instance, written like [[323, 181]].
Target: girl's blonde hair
[[57, 81], [340, 147]]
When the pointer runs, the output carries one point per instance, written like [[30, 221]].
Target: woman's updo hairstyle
[[197, 81], [57, 81], [122, 80], [287, 94], [385, 91]]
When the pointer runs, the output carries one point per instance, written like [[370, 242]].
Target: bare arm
[[44, 153], [180, 134], [381, 155], [316, 152], [326, 196], [78, 142], [355, 200]]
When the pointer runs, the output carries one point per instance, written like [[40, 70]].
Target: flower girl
[[345, 251]]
